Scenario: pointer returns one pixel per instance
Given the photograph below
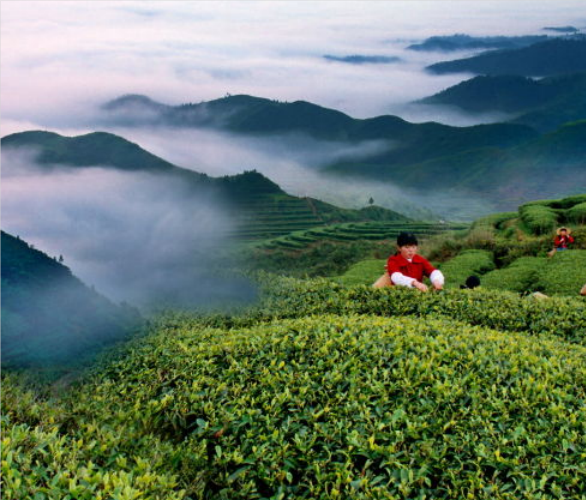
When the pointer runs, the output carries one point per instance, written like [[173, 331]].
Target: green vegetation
[[363, 272], [538, 218], [468, 263], [577, 214], [356, 232], [330, 389], [322, 391], [521, 276]]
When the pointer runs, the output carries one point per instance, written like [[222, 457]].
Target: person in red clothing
[[563, 239], [407, 268]]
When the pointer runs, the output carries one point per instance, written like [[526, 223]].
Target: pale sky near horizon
[[60, 58]]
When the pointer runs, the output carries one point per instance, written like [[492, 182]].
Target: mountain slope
[[510, 93], [547, 166], [259, 206], [48, 315], [552, 57], [544, 104]]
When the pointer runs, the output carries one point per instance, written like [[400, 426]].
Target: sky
[[60, 60]]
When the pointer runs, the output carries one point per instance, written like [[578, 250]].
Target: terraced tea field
[[356, 231]]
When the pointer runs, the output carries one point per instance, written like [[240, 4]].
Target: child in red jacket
[[563, 239], [406, 268]]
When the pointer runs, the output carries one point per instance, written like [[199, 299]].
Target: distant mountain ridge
[[551, 57], [363, 59], [452, 43], [253, 115], [544, 104], [545, 165]]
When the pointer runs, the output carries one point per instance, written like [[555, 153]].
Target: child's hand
[[420, 286], [438, 286]]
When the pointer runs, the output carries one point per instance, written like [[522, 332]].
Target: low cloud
[[141, 238]]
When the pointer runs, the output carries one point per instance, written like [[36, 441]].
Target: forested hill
[[510, 93], [112, 151], [48, 315], [551, 57]]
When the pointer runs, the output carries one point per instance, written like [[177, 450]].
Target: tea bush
[[521, 276], [564, 274], [577, 213], [49, 452], [469, 262], [540, 219], [323, 407]]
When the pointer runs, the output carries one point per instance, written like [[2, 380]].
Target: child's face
[[408, 251]]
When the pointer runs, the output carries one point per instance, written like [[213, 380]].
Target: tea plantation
[[330, 389], [321, 391]]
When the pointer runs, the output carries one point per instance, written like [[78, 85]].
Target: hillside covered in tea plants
[[330, 389]]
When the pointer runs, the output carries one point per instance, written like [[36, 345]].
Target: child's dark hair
[[406, 239], [471, 282]]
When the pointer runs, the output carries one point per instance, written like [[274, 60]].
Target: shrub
[[577, 213], [469, 262], [564, 274], [521, 276], [539, 219], [323, 407]]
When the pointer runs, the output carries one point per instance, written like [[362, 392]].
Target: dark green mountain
[[451, 43], [541, 167], [259, 206], [552, 57], [544, 104], [239, 113], [48, 315], [510, 93]]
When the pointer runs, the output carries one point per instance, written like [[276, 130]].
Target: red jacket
[[563, 242], [417, 268]]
